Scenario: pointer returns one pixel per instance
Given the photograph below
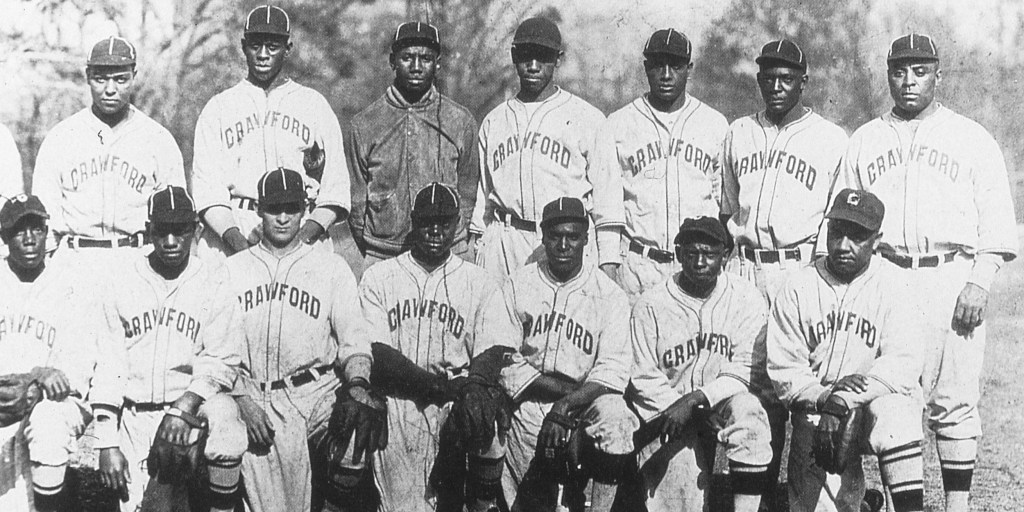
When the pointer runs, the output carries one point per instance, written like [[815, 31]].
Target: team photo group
[[550, 309]]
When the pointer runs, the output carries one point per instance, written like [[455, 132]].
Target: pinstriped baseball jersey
[[95, 180], [683, 343], [670, 164], [574, 329], [164, 337], [775, 181]]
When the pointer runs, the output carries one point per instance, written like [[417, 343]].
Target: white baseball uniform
[[244, 132], [301, 314], [821, 330], [716, 345], [163, 338], [431, 318], [670, 169], [531, 154], [775, 185], [11, 181]]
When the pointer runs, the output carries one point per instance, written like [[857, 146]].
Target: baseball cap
[[171, 205], [564, 209], [112, 51], [281, 186], [18, 207], [268, 19], [538, 31], [413, 33], [859, 207], [436, 200], [670, 42], [707, 226], [784, 51], [913, 46]]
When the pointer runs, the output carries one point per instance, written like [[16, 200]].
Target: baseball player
[[950, 227], [409, 137], [841, 338], [11, 183], [304, 331], [571, 364], [534, 148], [96, 169], [666, 146], [698, 349], [170, 351], [265, 122], [49, 330], [423, 304]]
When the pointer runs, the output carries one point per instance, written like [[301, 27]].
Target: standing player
[[304, 330], [49, 333], [409, 137], [950, 226], [170, 352], [96, 169], [534, 148], [841, 338], [11, 181], [265, 122], [696, 339], [666, 145], [424, 305]]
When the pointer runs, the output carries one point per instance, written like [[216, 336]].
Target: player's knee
[[228, 439], [51, 429], [894, 421], [611, 424]]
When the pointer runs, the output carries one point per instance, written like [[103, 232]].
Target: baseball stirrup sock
[[223, 486], [748, 478], [483, 479], [956, 457], [48, 487], [902, 470]]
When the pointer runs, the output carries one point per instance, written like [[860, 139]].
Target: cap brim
[[545, 44], [686, 234], [854, 217], [767, 60], [912, 55], [21, 215], [284, 198], [176, 217], [563, 219]]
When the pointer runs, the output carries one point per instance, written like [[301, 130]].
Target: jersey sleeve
[[611, 369], [789, 353], [654, 392], [110, 381], [730, 199], [372, 301], [997, 229], [11, 181], [484, 185], [485, 286], [46, 182], [467, 170], [209, 162], [608, 172], [358, 176], [219, 353], [170, 165], [350, 328], [335, 187], [501, 325], [749, 353], [899, 362]]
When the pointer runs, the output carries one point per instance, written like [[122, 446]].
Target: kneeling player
[[170, 352], [844, 354]]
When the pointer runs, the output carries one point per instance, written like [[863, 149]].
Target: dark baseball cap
[[859, 207], [564, 209], [281, 186], [112, 51], [782, 51], [18, 207], [268, 19], [540, 32], [708, 227], [436, 200], [171, 205], [669, 42], [416, 33], [913, 46]]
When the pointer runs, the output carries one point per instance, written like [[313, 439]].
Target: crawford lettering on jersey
[[938, 160], [28, 325], [104, 164], [445, 314], [179, 320], [234, 134], [533, 141], [571, 330], [653, 151], [793, 165], [294, 297], [710, 341], [845, 321]]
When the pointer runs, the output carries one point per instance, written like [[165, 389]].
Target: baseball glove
[[837, 438], [19, 393], [313, 159], [361, 415], [484, 405], [178, 448], [395, 375]]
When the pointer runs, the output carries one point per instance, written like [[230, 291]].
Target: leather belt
[[917, 261], [146, 406], [298, 379], [510, 219], [769, 255], [137, 240], [650, 252]]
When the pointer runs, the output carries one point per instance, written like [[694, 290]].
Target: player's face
[[27, 242], [111, 88], [702, 261], [563, 245], [535, 66], [414, 68], [781, 88], [912, 85], [281, 222], [433, 238], [850, 246], [265, 56], [172, 242], [666, 76]]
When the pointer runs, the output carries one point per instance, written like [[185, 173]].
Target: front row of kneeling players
[[530, 375]]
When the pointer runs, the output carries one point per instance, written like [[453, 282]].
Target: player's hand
[[310, 232], [679, 414], [970, 309], [611, 270], [114, 471], [174, 430], [53, 382], [554, 432], [854, 383], [257, 423], [234, 241]]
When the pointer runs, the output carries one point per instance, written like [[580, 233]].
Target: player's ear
[[288, 48], [558, 60], [391, 60], [876, 241]]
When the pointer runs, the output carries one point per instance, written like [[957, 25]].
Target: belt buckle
[[645, 251], [73, 241], [137, 240], [915, 261]]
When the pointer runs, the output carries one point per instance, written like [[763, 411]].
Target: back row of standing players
[[662, 159]]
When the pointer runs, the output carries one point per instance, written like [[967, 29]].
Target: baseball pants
[[503, 249], [768, 277], [402, 469], [15, 470], [638, 273]]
